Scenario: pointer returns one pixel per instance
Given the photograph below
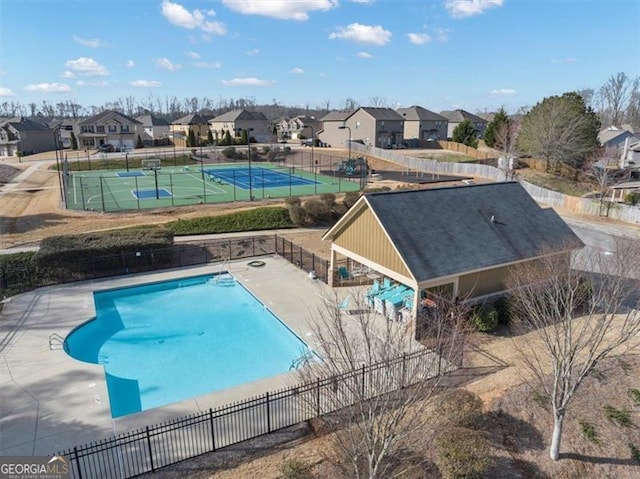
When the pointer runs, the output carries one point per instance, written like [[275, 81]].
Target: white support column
[[332, 262]]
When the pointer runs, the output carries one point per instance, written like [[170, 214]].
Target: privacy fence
[[148, 449], [14, 280], [629, 214]]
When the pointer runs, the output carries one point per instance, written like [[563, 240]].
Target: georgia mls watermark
[[34, 467]]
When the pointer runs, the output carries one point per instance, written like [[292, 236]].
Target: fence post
[[313, 262], [75, 453], [213, 436], [150, 452], [275, 238], [404, 369], [253, 244], [363, 373], [268, 414], [318, 397], [301, 258]]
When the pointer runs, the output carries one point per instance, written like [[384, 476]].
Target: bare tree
[[506, 137], [378, 101], [383, 406], [615, 96], [577, 316], [632, 114]]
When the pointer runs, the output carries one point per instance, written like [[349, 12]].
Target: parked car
[[106, 148]]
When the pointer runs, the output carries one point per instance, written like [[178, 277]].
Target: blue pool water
[[169, 341]]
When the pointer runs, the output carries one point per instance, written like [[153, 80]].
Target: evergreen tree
[[210, 137], [227, 138], [139, 144], [494, 126], [191, 139], [466, 134], [74, 141]]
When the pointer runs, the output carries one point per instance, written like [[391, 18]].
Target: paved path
[[13, 184]]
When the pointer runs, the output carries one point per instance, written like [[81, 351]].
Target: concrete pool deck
[[50, 401]]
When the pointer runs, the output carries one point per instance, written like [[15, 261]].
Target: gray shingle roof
[[456, 116], [242, 115], [383, 113], [24, 124], [150, 120], [448, 231], [337, 115], [96, 118], [191, 119], [417, 113]]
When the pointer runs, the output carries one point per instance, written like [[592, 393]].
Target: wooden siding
[[365, 237]]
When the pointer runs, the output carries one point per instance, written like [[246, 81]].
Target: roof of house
[[192, 119], [607, 135], [24, 124], [150, 120], [382, 113], [241, 115], [417, 113], [338, 115], [448, 231], [461, 115], [104, 115]]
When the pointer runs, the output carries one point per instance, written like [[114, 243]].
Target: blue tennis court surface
[[260, 177], [129, 174], [147, 194]]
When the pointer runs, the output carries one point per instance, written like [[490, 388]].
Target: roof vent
[[493, 218]]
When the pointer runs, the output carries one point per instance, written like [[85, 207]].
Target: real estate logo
[[34, 467]]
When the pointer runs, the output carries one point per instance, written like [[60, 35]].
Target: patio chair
[[343, 273]]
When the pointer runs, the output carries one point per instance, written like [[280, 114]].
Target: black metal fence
[[145, 450], [302, 258]]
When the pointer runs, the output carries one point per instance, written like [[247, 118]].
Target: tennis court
[[110, 190]]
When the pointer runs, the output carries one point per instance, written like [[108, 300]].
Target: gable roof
[[24, 124], [382, 113], [448, 231], [417, 113], [608, 135], [456, 116], [191, 119], [241, 115], [150, 120], [105, 115], [337, 115]]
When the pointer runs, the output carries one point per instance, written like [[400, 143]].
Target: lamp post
[[248, 130], [56, 131], [345, 127]]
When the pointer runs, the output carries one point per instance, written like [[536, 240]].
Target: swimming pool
[[165, 342]]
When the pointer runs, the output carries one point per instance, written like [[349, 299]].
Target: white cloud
[[48, 87], [297, 71], [503, 91], [194, 55], [469, 8], [281, 9], [247, 82], [99, 83], [419, 38], [130, 64], [207, 64], [146, 84], [253, 52], [86, 67], [166, 64], [68, 74], [367, 34], [91, 43], [4, 91], [194, 20], [442, 34], [365, 55]]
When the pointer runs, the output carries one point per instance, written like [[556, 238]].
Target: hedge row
[[17, 273], [119, 163], [251, 220]]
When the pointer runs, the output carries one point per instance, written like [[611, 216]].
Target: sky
[[472, 54]]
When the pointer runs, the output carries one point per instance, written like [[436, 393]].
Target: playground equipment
[[357, 167]]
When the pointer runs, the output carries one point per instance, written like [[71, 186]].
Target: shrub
[[460, 408], [350, 198], [503, 307], [18, 273], [541, 399], [317, 211], [297, 215], [635, 452], [339, 210], [635, 395], [296, 469], [485, 318], [229, 152], [621, 417], [250, 220], [292, 201], [462, 454], [328, 199], [632, 198]]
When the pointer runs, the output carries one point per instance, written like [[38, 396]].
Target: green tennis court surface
[[180, 186]]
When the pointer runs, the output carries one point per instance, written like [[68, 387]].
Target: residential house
[[298, 127], [235, 121], [614, 138], [155, 128], [422, 124], [109, 127], [460, 241], [455, 117], [21, 136], [65, 127], [180, 128], [380, 127]]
